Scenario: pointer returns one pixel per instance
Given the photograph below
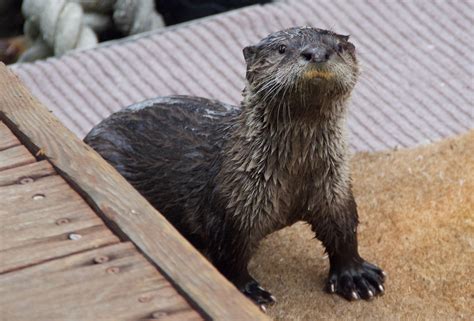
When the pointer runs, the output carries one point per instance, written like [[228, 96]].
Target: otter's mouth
[[317, 74]]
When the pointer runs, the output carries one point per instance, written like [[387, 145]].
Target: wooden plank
[[124, 209], [45, 219], [25, 174], [14, 157], [49, 191], [54, 247], [79, 287], [7, 139]]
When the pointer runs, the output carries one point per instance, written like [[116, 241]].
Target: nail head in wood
[[101, 259], [113, 270], [62, 221], [158, 314], [144, 298], [38, 197], [26, 180], [74, 236]]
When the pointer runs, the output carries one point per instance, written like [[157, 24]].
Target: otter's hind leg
[[230, 251], [349, 274]]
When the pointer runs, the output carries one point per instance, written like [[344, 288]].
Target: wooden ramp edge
[[123, 209]]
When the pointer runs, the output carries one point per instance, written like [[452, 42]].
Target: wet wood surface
[[26, 173], [7, 140], [15, 156], [59, 261], [110, 283]]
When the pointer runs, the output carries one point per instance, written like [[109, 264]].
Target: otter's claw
[[355, 296], [331, 288], [258, 294], [355, 281]]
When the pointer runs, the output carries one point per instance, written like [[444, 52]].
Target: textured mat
[[416, 86], [416, 221]]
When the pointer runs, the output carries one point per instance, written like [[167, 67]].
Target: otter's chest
[[309, 173]]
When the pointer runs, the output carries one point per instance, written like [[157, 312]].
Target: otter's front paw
[[257, 294], [355, 281]]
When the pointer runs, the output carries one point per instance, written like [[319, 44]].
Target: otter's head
[[301, 65]]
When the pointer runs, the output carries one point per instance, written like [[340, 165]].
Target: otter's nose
[[316, 54]]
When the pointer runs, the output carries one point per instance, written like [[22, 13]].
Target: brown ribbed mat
[[416, 221], [416, 86]]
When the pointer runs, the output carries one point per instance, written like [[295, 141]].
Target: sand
[[416, 211]]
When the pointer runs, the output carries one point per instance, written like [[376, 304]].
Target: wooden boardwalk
[[79, 243]]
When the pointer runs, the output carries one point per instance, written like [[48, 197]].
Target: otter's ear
[[344, 37], [249, 53]]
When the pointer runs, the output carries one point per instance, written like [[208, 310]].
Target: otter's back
[[166, 148]]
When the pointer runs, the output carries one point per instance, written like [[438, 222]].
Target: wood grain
[[7, 139], [37, 220], [14, 157], [26, 173], [121, 206], [79, 287]]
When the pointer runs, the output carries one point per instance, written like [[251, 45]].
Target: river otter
[[226, 177]]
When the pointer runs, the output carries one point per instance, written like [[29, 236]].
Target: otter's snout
[[316, 54]]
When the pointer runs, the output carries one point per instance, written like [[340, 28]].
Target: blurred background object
[[12, 48], [12, 44], [37, 29], [57, 26], [11, 19], [177, 11]]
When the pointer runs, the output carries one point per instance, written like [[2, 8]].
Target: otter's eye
[[282, 49]]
